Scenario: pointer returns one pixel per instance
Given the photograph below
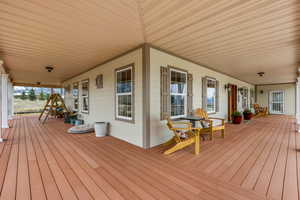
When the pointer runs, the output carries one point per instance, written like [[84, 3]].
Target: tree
[[23, 96], [42, 96], [31, 95], [47, 95]]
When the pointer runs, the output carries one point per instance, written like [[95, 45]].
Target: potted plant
[[247, 114], [237, 117]]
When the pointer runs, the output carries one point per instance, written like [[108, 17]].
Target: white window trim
[[123, 94], [85, 96], [75, 96], [215, 99], [179, 94], [245, 98], [283, 101]]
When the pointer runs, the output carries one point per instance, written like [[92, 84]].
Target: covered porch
[[134, 65], [257, 160]]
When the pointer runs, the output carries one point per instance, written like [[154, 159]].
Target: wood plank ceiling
[[235, 37]]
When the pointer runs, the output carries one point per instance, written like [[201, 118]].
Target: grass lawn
[[27, 106]]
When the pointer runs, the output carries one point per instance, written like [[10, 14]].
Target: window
[[252, 96], [85, 96], [244, 93], [75, 93], [211, 91], [210, 95], [124, 93], [178, 93]]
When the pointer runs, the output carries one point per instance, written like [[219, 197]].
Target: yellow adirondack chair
[[260, 111], [180, 129], [211, 128]]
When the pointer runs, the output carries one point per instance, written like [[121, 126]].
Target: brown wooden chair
[[184, 135], [260, 111], [211, 128]]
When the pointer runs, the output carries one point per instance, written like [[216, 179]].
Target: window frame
[[215, 99], [179, 94], [132, 93], [75, 97], [245, 98], [252, 97], [85, 96]]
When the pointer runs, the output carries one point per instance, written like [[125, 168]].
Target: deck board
[[10, 181], [256, 160]]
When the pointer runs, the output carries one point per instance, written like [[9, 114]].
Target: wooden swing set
[[55, 106]]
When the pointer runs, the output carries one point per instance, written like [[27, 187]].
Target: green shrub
[[236, 114], [247, 111]]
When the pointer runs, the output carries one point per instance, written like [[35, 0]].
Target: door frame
[[270, 99]]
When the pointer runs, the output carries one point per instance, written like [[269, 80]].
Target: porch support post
[[146, 96], [298, 102], [10, 100], [4, 100]]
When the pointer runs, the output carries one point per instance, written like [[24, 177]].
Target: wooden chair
[[260, 111], [181, 129], [211, 127]]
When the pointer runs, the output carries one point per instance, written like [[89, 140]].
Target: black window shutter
[[164, 93]]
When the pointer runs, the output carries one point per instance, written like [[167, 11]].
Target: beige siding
[[159, 133], [289, 96], [102, 101]]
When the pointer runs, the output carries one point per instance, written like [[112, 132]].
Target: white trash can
[[100, 129]]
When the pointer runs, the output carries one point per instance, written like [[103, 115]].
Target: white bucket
[[100, 129]]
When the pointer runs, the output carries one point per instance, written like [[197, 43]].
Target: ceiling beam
[[36, 85]]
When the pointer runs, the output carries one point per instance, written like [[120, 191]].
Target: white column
[[4, 100], [10, 100], [1, 132], [298, 103]]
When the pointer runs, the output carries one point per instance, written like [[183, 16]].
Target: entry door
[[276, 102], [232, 100]]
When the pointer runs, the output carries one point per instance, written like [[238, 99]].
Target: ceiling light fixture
[[261, 74], [49, 68]]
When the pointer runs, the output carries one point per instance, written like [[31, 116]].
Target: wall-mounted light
[[226, 86], [261, 91]]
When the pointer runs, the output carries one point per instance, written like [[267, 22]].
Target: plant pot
[[247, 116], [237, 119]]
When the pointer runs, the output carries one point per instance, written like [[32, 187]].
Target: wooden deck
[[258, 160]]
